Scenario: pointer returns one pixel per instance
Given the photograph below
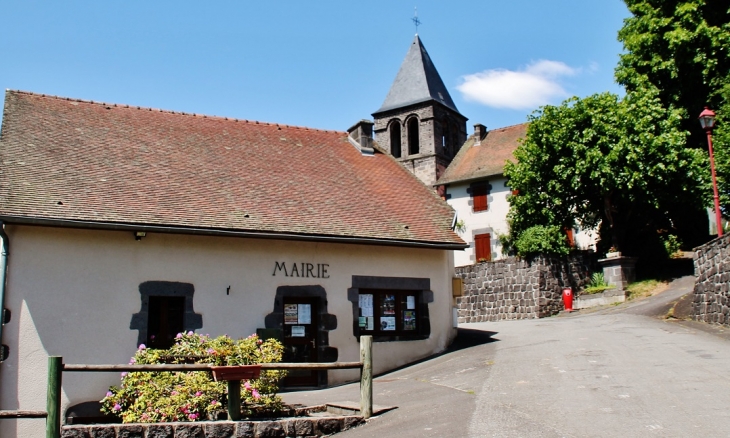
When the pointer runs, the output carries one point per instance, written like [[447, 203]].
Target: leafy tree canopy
[[681, 48], [604, 160]]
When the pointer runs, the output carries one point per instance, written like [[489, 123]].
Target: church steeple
[[417, 81], [418, 122]]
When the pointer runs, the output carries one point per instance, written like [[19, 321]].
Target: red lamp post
[[707, 120]]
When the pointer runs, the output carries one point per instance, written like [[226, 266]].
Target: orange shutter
[[571, 237], [479, 194], [483, 247]]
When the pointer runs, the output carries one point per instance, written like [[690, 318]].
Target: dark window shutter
[[483, 247]]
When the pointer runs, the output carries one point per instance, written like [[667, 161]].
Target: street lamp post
[[707, 120]]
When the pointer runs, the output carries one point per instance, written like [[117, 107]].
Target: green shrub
[[150, 397], [597, 284], [672, 244], [542, 239]]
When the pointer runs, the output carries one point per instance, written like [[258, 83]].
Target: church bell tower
[[418, 123]]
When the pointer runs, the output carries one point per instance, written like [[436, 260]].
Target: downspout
[[3, 276]]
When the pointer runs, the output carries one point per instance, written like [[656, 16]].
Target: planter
[[610, 296], [236, 372]]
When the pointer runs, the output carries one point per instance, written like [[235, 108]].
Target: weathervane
[[415, 19]]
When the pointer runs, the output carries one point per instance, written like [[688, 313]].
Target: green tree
[[681, 48], [620, 163]]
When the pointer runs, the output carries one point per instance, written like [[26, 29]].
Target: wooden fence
[[56, 367]]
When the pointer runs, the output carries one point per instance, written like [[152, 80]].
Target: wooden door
[[301, 328]]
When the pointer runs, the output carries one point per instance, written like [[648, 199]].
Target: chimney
[[480, 131], [361, 136]]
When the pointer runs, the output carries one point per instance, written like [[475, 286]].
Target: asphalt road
[[618, 372]]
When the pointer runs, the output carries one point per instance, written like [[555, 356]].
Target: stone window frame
[[140, 320], [419, 286]]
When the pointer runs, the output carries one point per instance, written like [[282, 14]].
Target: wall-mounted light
[[138, 235]]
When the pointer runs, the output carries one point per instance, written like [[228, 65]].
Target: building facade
[[128, 225]]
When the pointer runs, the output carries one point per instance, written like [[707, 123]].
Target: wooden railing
[[56, 367]]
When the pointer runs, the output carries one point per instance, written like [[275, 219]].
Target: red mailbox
[[568, 299]]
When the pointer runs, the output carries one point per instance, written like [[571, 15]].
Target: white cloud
[[538, 84]]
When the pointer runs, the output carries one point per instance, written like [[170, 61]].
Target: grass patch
[[644, 288], [596, 289]]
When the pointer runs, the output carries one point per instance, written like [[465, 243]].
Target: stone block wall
[[515, 288], [283, 428], [711, 302]]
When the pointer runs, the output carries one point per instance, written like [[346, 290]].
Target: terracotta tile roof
[[72, 161], [486, 159]]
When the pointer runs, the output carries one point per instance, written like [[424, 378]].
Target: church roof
[[476, 161], [417, 81], [67, 162]]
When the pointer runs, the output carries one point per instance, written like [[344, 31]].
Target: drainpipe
[[3, 276]]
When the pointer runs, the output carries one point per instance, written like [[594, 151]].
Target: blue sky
[[323, 64]]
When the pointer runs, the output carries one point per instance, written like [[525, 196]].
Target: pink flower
[[124, 374], [255, 394], [179, 335], [142, 347], [211, 351], [198, 394], [109, 394], [214, 402], [247, 385], [174, 393], [132, 360], [117, 407], [190, 333], [192, 417]]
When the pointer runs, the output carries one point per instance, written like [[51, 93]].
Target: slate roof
[[67, 162], [417, 81], [486, 159]]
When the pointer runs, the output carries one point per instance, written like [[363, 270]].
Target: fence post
[[234, 400], [366, 376], [53, 399]]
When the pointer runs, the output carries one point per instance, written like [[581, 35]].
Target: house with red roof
[[125, 226], [475, 186]]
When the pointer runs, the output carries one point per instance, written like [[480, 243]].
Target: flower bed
[[153, 397]]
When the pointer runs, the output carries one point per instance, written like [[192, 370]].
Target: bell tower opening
[[413, 140], [395, 138]]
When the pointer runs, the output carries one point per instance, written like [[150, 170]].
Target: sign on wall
[[301, 270]]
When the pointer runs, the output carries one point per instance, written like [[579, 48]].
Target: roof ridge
[[508, 126], [183, 113]]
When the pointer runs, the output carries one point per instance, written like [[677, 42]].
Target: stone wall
[[515, 288], [711, 302], [295, 427]]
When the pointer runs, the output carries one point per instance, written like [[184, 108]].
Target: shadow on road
[[465, 338], [468, 338]]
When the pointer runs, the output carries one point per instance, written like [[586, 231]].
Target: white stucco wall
[[493, 220], [73, 294]]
